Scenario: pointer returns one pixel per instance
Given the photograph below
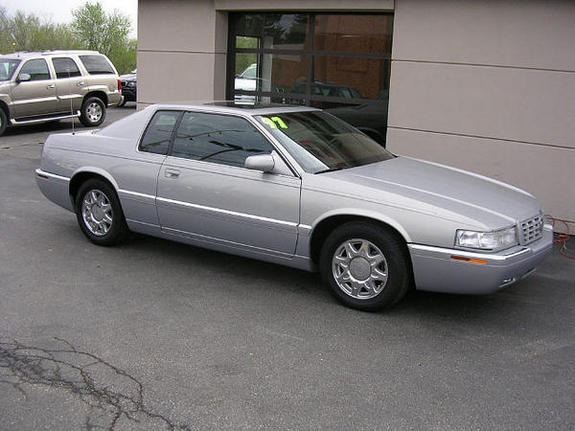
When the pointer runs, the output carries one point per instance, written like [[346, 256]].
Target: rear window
[[97, 64], [158, 134]]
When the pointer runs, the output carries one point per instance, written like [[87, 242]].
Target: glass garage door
[[337, 62]]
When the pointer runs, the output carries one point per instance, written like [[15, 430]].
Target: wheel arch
[[81, 176], [330, 221], [99, 94]]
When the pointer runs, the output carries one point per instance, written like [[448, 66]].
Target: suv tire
[[3, 121], [93, 112]]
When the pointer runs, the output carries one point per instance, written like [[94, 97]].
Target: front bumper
[[129, 94], [436, 270]]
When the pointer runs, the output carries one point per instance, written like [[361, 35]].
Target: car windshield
[[320, 142], [7, 68]]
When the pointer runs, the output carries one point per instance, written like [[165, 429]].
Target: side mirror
[[23, 77], [260, 162]]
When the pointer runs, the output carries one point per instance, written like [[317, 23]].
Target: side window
[[156, 139], [37, 69], [218, 138], [96, 64], [65, 67]]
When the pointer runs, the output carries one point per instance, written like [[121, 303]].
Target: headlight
[[496, 240]]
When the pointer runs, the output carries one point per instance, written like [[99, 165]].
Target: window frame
[[246, 118], [65, 58], [265, 134], [309, 53], [24, 63], [172, 135], [113, 71]]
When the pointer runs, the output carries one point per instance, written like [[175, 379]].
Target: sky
[[60, 11]]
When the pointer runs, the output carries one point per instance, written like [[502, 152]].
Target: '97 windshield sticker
[[274, 122]]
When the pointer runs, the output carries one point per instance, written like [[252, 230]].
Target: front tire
[[99, 213], [3, 121], [366, 266], [93, 112]]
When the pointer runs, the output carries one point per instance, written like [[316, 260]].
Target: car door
[[37, 96], [205, 191], [69, 84]]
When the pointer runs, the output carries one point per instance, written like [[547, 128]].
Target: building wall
[[485, 86], [489, 87], [181, 51]]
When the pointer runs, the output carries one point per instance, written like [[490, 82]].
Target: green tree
[[27, 32], [107, 33]]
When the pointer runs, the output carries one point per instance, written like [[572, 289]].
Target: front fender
[[363, 213]]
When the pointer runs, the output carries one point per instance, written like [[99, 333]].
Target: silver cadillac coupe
[[298, 187]]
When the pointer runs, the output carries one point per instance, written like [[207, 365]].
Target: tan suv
[[52, 85]]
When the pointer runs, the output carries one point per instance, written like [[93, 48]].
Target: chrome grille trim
[[531, 229]]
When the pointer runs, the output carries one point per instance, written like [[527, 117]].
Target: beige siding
[[174, 77], [181, 51], [528, 33], [527, 105]]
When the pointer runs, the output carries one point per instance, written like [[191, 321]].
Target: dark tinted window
[[37, 69], [65, 67], [218, 138], [159, 131], [96, 64]]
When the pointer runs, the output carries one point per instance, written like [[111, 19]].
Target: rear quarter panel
[[111, 153]]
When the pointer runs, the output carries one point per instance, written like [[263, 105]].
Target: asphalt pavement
[[156, 335]]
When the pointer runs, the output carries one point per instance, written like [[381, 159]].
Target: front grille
[[531, 229]]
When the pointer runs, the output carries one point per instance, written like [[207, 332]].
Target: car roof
[[28, 54], [229, 106]]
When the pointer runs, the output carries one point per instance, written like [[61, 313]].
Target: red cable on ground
[[562, 238]]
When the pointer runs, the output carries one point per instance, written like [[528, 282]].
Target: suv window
[[97, 64], [65, 67], [37, 69], [218, 138], [157, 137]]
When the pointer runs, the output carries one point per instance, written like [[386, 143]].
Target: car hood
[[439, 190]]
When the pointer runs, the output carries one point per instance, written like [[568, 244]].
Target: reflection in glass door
[[337, 62]]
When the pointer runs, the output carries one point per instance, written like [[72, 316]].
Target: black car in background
[[129, 87]]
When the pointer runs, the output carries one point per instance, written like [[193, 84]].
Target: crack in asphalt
[[74, 371]]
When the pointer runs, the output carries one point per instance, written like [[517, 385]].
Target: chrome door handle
[[49, 86], [171, 173], [80, 84]]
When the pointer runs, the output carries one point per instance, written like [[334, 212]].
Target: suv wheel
[[3, 121], [93, 112]]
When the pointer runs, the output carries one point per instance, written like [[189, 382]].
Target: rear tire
[[3, 121], [93, 112], [366, 266], [99, 213]]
